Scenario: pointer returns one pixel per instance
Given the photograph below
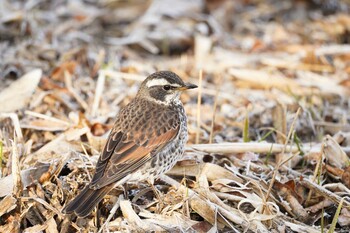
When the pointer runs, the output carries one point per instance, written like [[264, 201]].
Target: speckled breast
[[165, 159]]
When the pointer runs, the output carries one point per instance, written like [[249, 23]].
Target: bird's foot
[[158, 196]]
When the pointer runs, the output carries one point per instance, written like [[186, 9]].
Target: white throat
[[172, 98], [169, 99]]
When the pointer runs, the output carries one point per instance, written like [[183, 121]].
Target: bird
[[147, 139]]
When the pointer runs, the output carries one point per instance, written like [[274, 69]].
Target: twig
[[98, 92], [133, 219], [87, 156], [1, 156], [17, 183], [324, 192], [256, 147], [68, 82], [283, 151], [199, 106], [111, 214], [239, 147], [316, 171], [214, 111], [15, 121], [224, 210], [45, 117], [48, 206]]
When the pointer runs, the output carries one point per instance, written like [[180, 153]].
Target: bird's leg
[[156, 193], [125, 189]]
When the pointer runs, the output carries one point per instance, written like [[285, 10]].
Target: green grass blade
[[246, 129], [336, 216]]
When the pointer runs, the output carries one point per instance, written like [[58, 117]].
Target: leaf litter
[[269, 137]]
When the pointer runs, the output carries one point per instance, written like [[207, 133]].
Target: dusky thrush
[[147, 139]]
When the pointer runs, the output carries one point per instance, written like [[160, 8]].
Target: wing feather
[[126, 157]]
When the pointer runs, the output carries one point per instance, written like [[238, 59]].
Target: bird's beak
[[187, 86]]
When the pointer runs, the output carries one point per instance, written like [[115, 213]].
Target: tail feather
[[87, 199]]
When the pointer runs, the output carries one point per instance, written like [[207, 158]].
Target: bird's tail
[[87, 199]]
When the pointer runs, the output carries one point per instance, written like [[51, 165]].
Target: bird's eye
[[167, 87]]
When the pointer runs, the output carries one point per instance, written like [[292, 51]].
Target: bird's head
[[164, 87]]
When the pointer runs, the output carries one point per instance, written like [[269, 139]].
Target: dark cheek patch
[[157, 94]]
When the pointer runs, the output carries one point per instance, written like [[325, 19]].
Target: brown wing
[[128, 149]]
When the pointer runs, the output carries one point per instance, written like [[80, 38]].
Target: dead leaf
[[58, 73], [18, 94], [7, 204], [27, 177], [334, 153]]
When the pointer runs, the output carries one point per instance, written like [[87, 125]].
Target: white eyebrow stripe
[[157, 82], [160, 82]]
